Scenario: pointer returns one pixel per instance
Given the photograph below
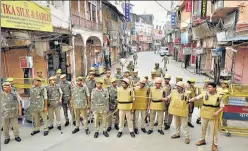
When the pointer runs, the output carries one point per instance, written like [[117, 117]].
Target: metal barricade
[[235, 110]]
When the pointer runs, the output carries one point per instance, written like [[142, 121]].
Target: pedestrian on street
[[54, 96], [140, 105], [167, 116], [166, 61], [179, 108], [11, 109], [135, 58], [100, 107], [58, 74], [80, 102], [118, 76], [157, 106], [112, 90], [125, 97], [213, 105], [159, 71], [38, 106], [66, 98]]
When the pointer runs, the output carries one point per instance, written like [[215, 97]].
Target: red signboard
[[177, 40], [188, 5], [236, 109], [23, 63]]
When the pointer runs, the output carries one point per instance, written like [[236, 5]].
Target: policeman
[[80, 102], [167, 117], [38, 105], [39, 75], [166, 61], [112, 105], [125, 97], [225, 90], [130, 67], [11, 109], [153, 78], [213, 105], [93, 70], [118, 76], [100, 107], [157, 106], [140, 105], [159, 71], [91, 82], [66, 98], [54, 95], [136, 78], [179, 108], [194, 92], [58, 74], [107, 80], [129, 77], [135, 58]]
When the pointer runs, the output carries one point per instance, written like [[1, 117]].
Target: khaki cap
[[10, 80], [167, 77], [59, 71], [113, 80], [79, 78], [62, 76], [52, 78], [192, 80], [39, 71], [180, 84], [6, 84], [37, 79], [179, 78], [100, 81], [92, 73]]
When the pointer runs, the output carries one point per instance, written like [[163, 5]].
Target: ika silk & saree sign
[[26, 15]]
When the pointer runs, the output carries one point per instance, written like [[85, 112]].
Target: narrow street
[[56, 141]]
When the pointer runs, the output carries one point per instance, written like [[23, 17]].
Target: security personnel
[[136, 78], [91, 82], [130, 67], [39, 75], [58, 74], [135, 58], [159, 71], [54, 96], [167, 117], [157, 105], [11, 109], [153, 78], [66, 98], [194, 92], [179, 108], [107, 80], [166, 61], [225, 90], [118, 76], [38, 105], [93, 70], [140, 105], [80, 102], [213, 105], [112, 105], [100, 107], [125, 97], [129, 77]]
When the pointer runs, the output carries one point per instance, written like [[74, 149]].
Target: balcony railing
[[84, 23]]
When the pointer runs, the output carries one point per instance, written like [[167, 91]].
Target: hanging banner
[[173, 19], [188, 5], [127, 12], [26, 15], [204, 8]]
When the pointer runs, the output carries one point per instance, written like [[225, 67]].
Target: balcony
[[78, 21]]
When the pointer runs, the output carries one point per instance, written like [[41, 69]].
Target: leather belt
[[157, 101], [125, 102], [213, 106]]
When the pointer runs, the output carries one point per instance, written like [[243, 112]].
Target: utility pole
[[1, 62]]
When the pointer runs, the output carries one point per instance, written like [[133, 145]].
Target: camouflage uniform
[[66, 98], [53, 94], [100, 106], [136, 80], [135, 57], [79, 102], [57, 79], [130, 67], [38, 95], [91, 84], [118, 77], [112, 105], [10, 106]]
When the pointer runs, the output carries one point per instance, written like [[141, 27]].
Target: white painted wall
[[60, 13]]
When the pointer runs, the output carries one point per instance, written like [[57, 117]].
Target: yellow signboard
[[26, 15]]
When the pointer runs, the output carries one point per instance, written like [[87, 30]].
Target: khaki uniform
[[166, 60], [112, 105], [125, 100], [66, 98], [211, 104], [53, 94], [157, 106], [38, 95], [140, 105], [159, 72], [107, 82], [79, 98], [194, 92], [10, 107], [100, 107], [224, 91], [180, 109], [135, 57], [167, 117]]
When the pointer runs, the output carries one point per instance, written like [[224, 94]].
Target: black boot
[[156, 124], [166, 127], [18, 139], [143, 130], [198, 121], [132, 134], [87, 131], [190, 125], [2, 129], [136, 131], [59, 128], [116, 127], [161, 132], [50, 127], [67, 123], [35, 132], [119, 134], [6, 141], [45, 133], [106, 134], [109, 128], [149, 132], [74, 123], [75, 130], [96, 134]]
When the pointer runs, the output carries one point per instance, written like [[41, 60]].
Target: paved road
[[56, 141]]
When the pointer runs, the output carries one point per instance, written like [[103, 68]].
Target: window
[[93, 13], [89, 11]]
